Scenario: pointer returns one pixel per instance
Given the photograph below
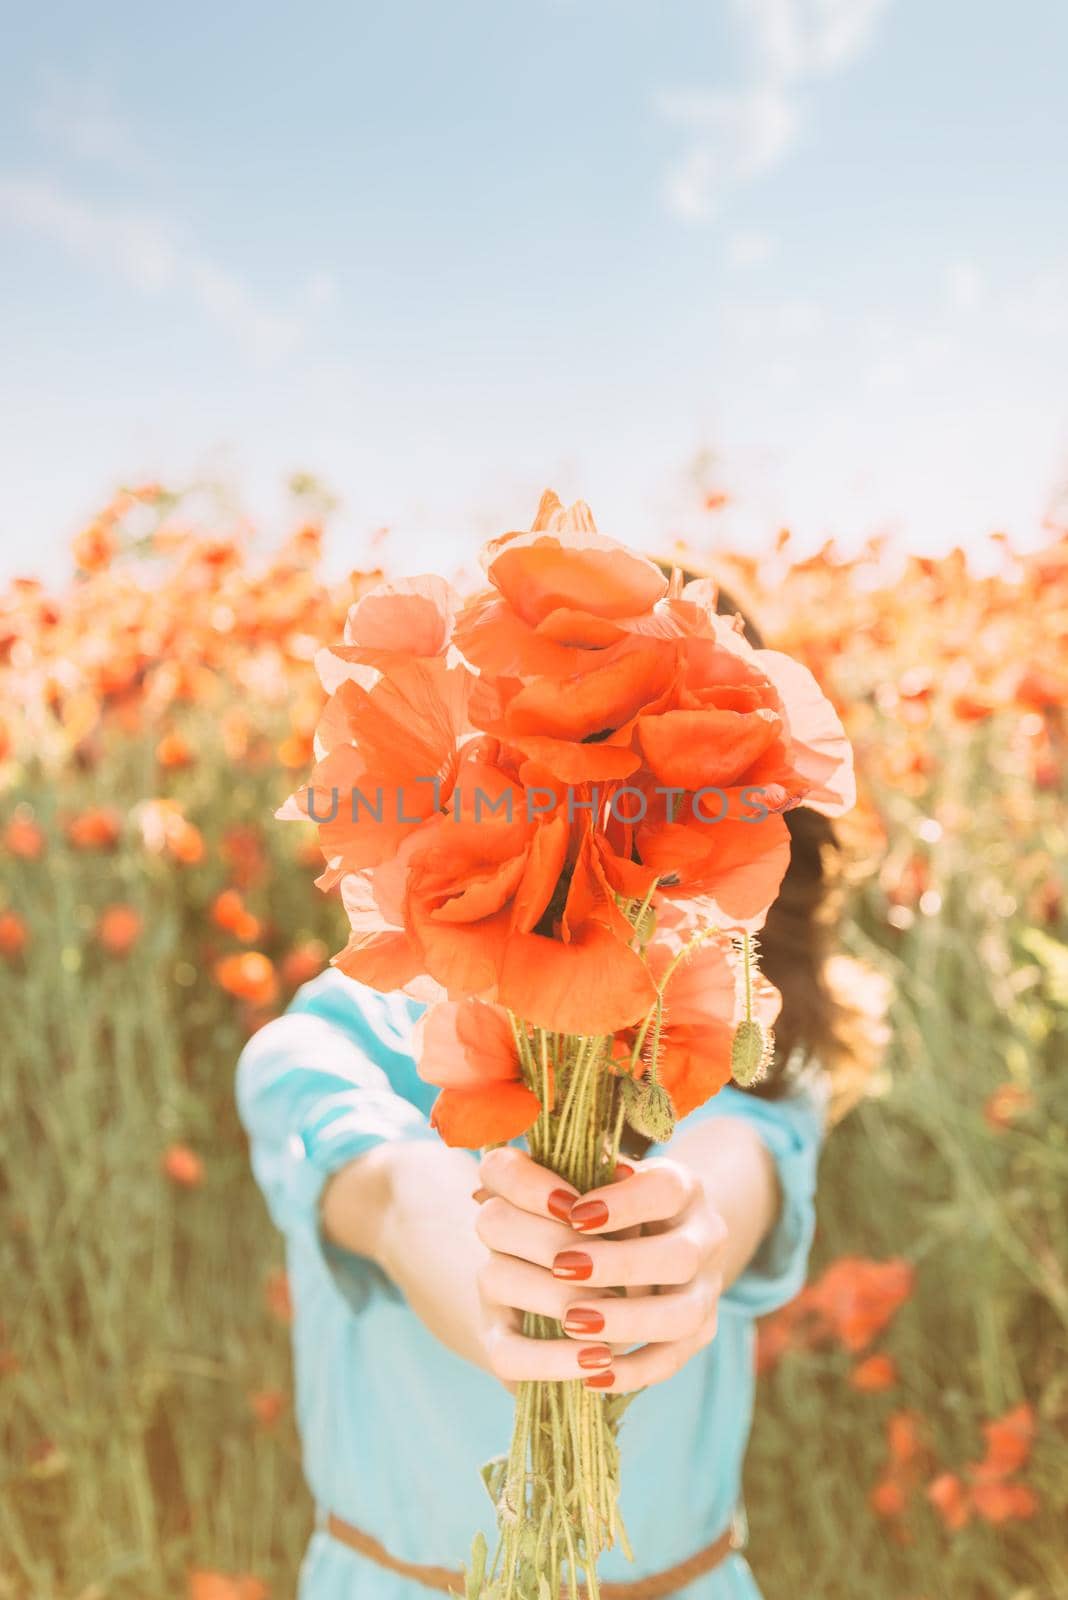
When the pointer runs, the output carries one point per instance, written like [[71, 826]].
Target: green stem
[[557, 1506]]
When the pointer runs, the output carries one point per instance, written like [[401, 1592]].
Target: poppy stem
[[558, 1491]]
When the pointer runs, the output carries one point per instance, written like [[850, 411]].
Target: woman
[[411, 1262]]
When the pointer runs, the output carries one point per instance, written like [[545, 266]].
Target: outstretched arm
[[536, 1245], [410, 1208]]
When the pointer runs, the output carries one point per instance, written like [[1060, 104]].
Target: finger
[[503, 1226], [515, 1359], [633, 1233], [508, 1281], [653, 1363], [673, 1257], [647, 1319], [514, 1176], [658, 1191]]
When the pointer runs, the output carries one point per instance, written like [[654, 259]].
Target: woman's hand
[[684, 1227], [654, 1234]]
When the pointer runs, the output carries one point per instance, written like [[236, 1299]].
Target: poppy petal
[[540, 572], [594, 985], [490, 1114], [590, 702], [695, 1063], [820, 750], [545, 862], [399, 619], [739, 864], [462, 1044], [576, 763], [500, 644], [707, 748]]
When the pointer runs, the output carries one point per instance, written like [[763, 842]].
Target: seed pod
[[648, 1109], [750, 1053]]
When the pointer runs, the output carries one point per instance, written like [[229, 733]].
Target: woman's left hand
[[653, 1233]]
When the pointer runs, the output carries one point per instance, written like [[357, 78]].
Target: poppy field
[[156, 706]]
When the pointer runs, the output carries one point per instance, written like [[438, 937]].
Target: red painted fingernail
[[582, 1319], [596, 1356], [600, 1380], [480, 1195], [623, 1170], [588, 1214], [560, 1203], [572, 1264]]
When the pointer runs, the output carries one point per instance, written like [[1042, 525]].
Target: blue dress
[[395, 1426]]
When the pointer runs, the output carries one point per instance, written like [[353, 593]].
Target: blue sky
[[812, 252]]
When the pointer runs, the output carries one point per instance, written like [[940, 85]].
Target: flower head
[[468, 1048]]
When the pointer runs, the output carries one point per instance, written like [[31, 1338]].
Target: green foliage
[[135, 1324]]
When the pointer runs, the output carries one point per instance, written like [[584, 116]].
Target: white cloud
[[1042, 308], [965, 287], [748, 248], [778, 322], [737, 134], [795, 39], [82, 118], [155, 254]]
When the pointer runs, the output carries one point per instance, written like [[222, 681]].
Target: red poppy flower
[[183, 1166], [702, 1007], [118, 929], [249, 976], [468, 1048]]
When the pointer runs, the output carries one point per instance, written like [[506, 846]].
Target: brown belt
[[447, 1581]]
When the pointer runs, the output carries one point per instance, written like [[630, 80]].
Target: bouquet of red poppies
[[554, 811]]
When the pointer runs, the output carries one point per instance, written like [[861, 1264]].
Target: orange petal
[[820, 751], [575, 763], [570, 626], [383, 961], [499, 643], [362, 817], [741, 865], [628, 878], [593, 985], [485, 794], [552, 514], [408, 725], [462, 1044], [484, 892], [464, 959], [695, 1063], [1002, 1502], [545, 863], [539, 572], [1008, 1444], [490, 1114], [471, 869], [714, 748], [591, 702], [589, 894], [703, 986], [402, 618]]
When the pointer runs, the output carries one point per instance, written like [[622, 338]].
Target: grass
[[139, 1354]]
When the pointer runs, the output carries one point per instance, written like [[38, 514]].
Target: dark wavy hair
[[820, 1023]]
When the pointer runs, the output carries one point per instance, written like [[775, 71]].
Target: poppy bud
[[649, 1109], [750, 1052]]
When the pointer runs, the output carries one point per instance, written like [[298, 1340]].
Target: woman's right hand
[[651, 1233]]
